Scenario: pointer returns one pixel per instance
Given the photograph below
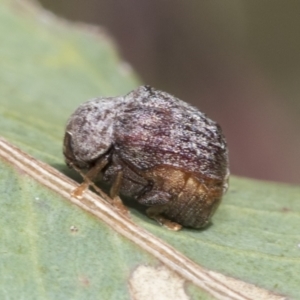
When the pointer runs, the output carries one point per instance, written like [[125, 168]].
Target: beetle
[[154, 147]]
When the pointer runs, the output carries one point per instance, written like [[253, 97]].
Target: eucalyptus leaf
[[52, 249]]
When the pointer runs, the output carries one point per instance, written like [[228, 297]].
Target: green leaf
[[53, 249]]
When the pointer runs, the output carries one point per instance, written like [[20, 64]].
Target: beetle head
[[89, 132]]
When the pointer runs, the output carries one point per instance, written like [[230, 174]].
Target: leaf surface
[[52, 249]]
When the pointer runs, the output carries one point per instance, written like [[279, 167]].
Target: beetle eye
[[68, 149]]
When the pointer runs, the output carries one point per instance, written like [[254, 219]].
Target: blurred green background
[[237, 61]]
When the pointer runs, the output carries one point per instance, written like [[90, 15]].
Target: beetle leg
[[158, 202], [115, 188], [114, 193], [89, 177], [155, 212]]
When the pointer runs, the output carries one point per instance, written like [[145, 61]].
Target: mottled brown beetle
[[154, 147]]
